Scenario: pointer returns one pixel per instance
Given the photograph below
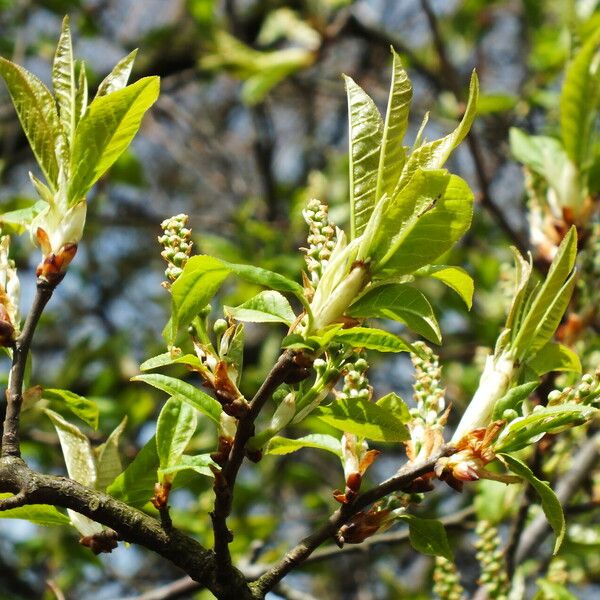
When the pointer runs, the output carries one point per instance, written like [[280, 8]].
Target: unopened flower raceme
[[9, 296], [446, 580], [321, 239], [177, 243], [491, 559]]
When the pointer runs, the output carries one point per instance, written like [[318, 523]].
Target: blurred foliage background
[[251, 123]]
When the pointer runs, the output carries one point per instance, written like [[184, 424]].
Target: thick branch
[[10, 434], [306, 547], [130, 524]]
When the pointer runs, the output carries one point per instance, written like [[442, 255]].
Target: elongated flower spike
[[177, 246], [446, 580]]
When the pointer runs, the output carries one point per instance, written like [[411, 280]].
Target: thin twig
[[10, 434], [308, 545]]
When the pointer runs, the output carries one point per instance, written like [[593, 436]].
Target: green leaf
[[523, 431], [393, 154], [86, 410], [174, 429], [555, 357], [373, 339], [18, 220], [428, 536], [365, 134], [108, 459], [117, 79], [267, 307], [81, 95], [266, 278], [434, 154], [513, 398], [364, 418], [37, 112], [550, 503], [105, 131], [454, 277], [579, 102], [201, 279], [399, 302], [40, 514], [281, 445], [165, 359], [136, 483], [396, 406], [199, 464], [401, 212], [63, 80], [183, 391], [435, 232], [548, 307]]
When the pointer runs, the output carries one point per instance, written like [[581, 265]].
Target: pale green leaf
[[365, 134], [108, 459], [85, 409], [267, 307], [428, 536], [183, 391], [513, 398], [37, 112], [399, 302], [281, 445], [554, 357], [174, 429], [396, 406], [18, 220], [81, 95], [454, 277], [199, 464], [165, 359], [63, 79], [40, 514], [393, 153], [105, 131], [117, 79], [265, 278], [550, 503], [363, 418], [373, 339]]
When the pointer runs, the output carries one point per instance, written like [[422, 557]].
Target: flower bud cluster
[[430, 414], [356, 383], [9, 296], [491, 561], [587, 392], [177, 243], [321, 239], [446, 582]]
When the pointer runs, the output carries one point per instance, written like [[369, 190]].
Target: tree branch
[[305, 548], [10, 433]]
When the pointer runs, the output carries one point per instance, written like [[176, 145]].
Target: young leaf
[[579, 101], [550, 503], [81, 95], [393, 154], [183, 391], [135, 484], [165, 359], [63, 80], [201, 279], [399, 302], [281, 445], [36, 109], [373, 339], [454, 277], [108, 459], [264, 277], [395, 405], [118, 77], [555, 357], [174, 429], [199, 464], [513, 398], [267, 307], [365, 133], [86, 410], [40, 514], [105, 131], [435, 232], [428, 536], [523, 431], [542, 318], [364, 418]]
